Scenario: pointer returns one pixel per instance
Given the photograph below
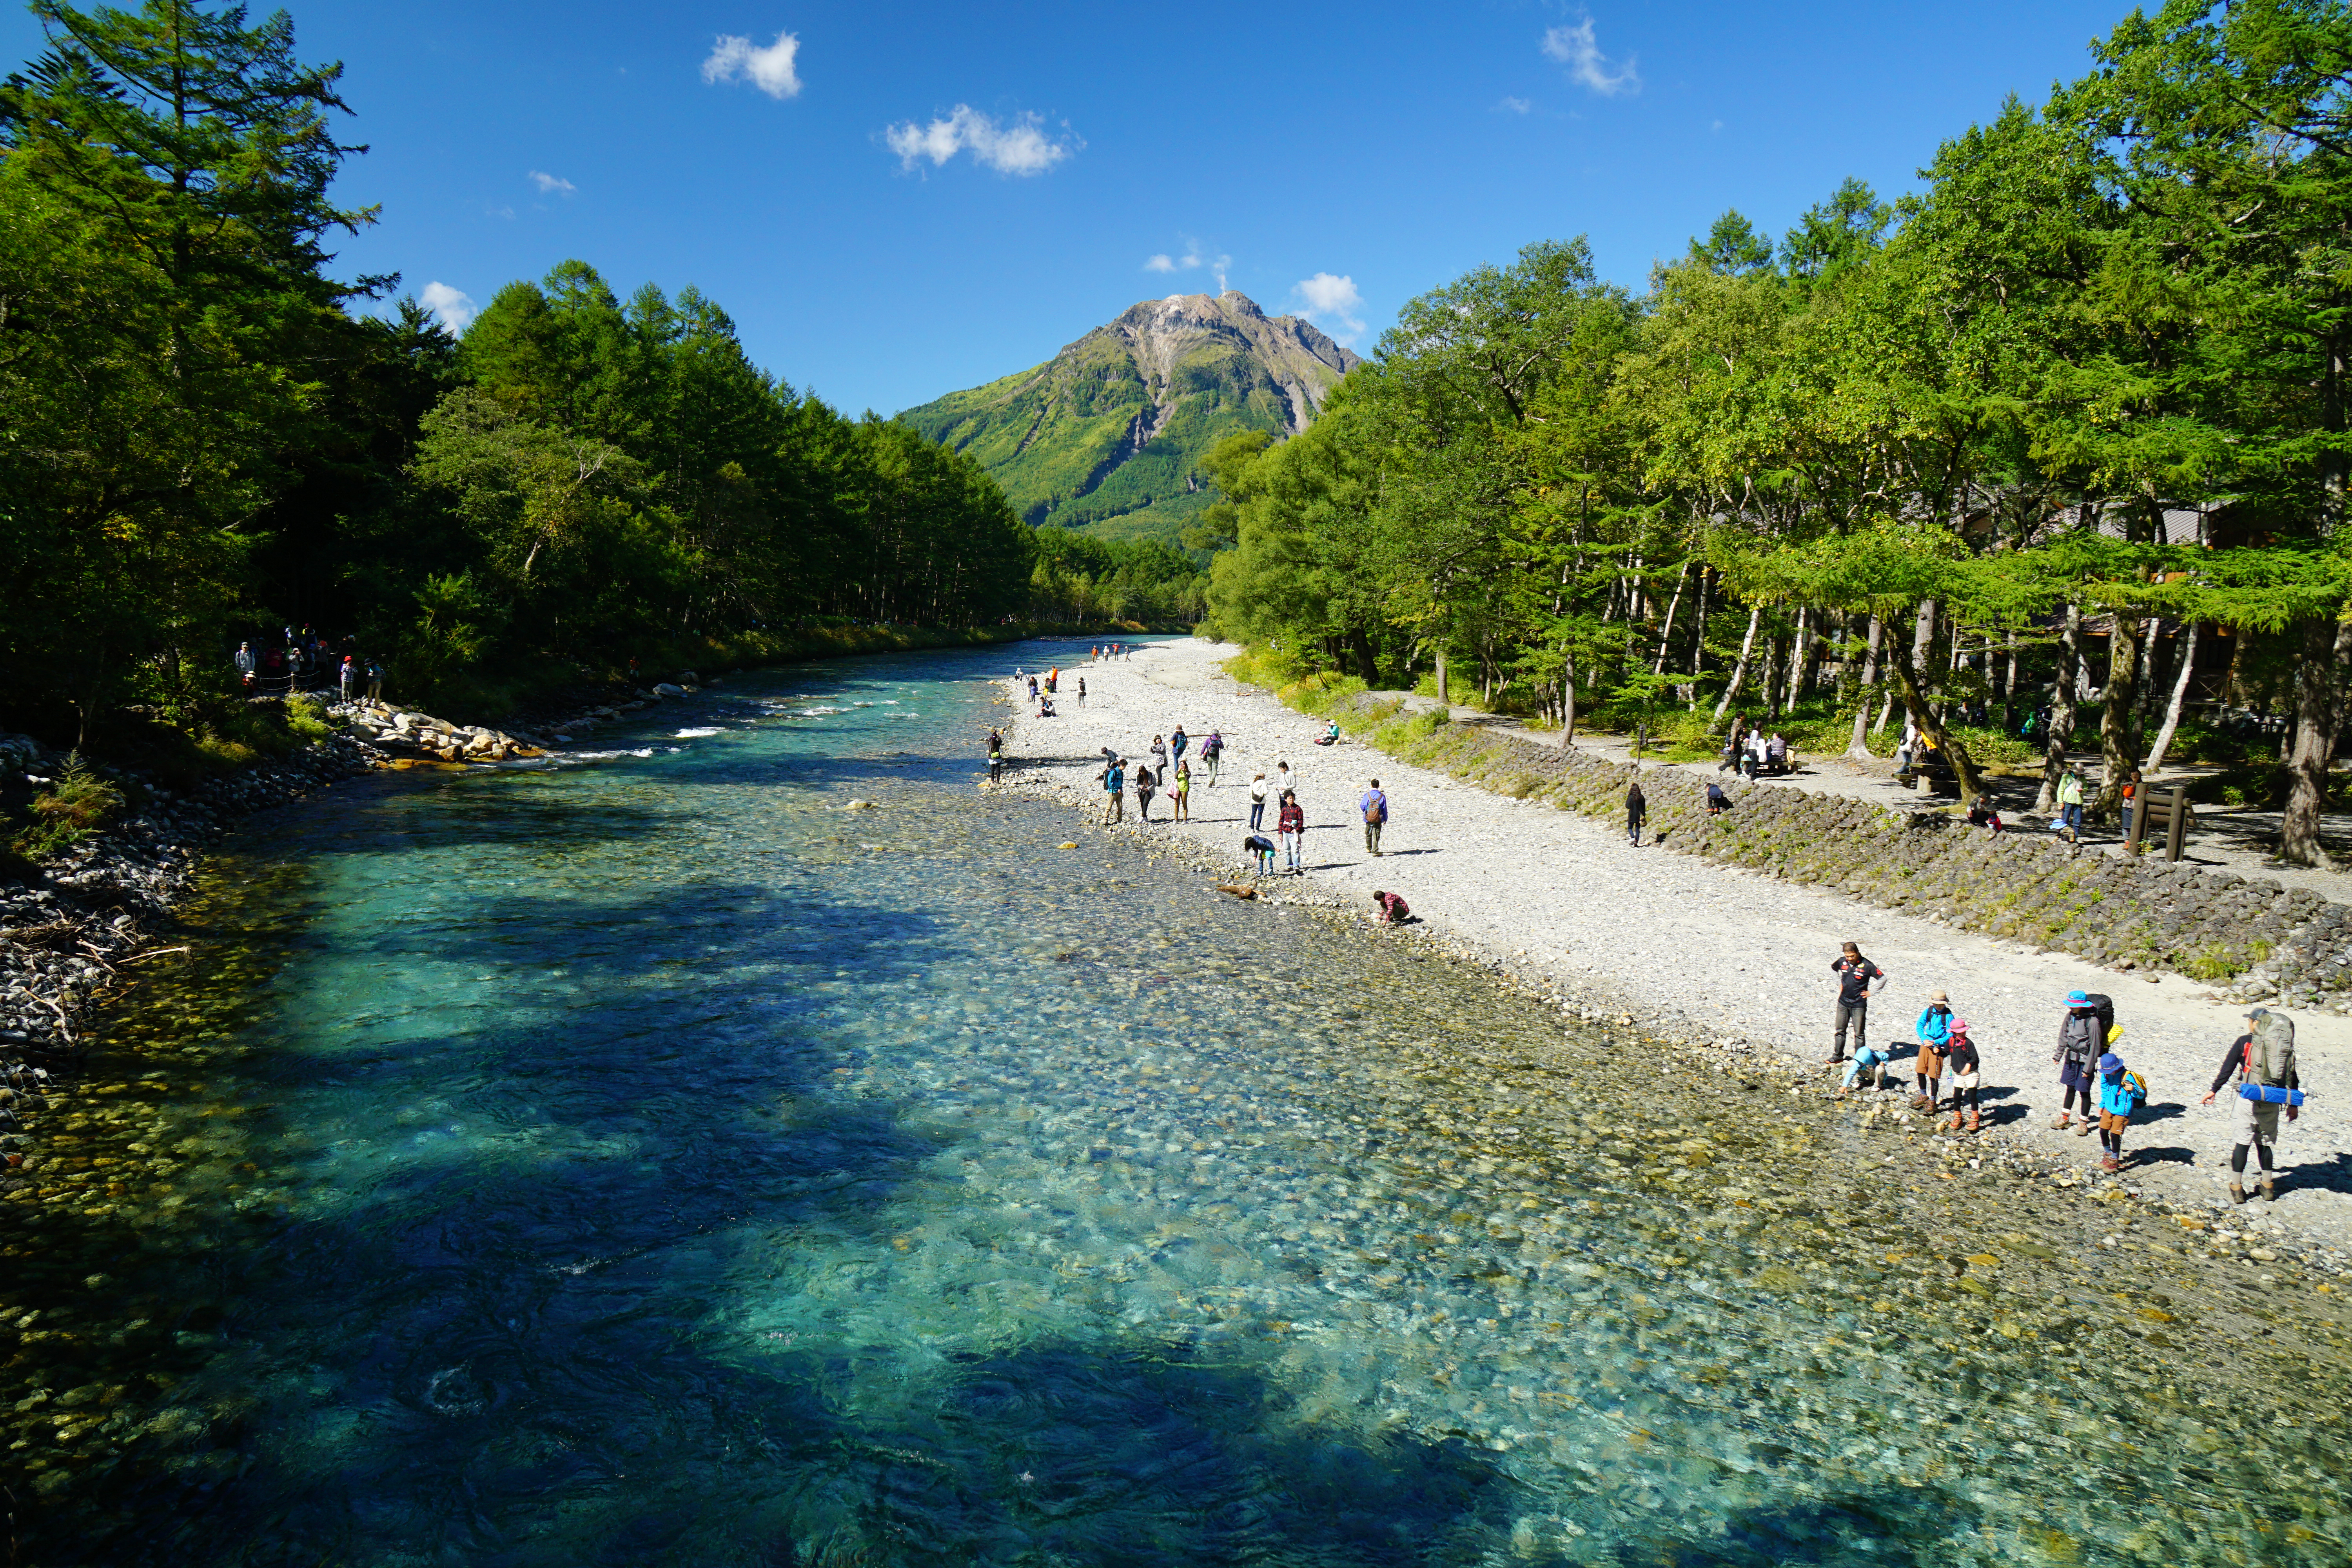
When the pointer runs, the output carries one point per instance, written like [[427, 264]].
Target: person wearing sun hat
[[2081, 1040]]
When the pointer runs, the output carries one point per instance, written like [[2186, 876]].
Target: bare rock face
[[1109, 432]]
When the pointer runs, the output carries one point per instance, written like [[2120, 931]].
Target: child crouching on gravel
[[2121, 1092], [1867, 1059]]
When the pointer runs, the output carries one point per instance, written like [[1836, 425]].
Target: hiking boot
[[2109, 1162], [2082, 1130], [1921, 1102], [1975, 1120], [2062, 1122], [2270, 1188], [2237, 1193]]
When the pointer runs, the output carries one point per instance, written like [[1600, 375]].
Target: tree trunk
[[1929, 724], [2317, 712], [2062, 709], [1441, 694], [2188, 654], [1666, 632], [1797, 645], [1740, 671], [2008, 690], [1922, 639], [1568, 704], [1367, 668], [1856, 748], [2115, 715]]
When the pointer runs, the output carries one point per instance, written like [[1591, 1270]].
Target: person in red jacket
[[1290, 826], [1394, 911]]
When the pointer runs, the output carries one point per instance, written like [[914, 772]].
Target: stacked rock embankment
[[2254, 939]]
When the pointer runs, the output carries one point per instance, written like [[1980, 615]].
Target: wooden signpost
[[2168, 809]]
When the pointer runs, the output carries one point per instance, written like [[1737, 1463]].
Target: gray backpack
[[2270, 1055]]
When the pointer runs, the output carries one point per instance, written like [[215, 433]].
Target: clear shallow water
[[654, 1161]]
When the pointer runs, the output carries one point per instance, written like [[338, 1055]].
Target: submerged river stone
[[603, 1166]]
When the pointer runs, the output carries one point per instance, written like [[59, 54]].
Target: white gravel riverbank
[[1708, 951]]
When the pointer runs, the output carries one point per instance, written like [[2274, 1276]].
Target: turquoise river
[[650, 1160]]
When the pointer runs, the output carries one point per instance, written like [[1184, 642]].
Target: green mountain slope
[[1107, 434]]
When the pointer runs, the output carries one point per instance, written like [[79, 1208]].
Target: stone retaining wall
[[2254, 939]]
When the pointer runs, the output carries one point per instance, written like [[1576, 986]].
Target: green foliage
[[1978, 405], [204, 438], [78, 804]]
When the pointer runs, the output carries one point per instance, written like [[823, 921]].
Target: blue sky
[[901, 200]]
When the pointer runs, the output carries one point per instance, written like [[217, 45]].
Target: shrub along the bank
[[2265, 940]]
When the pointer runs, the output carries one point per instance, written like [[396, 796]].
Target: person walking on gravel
[[1182, 794], [1257, 803], [2070, 804], [2264, 1060], [1178, 741], [1159, 759], [2082, 1041], [1211, 749], [1115, 792], [1145, 787], [995, 755], [1853, 974], [1375, 807], [1637, 811]]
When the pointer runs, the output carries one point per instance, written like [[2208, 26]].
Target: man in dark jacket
[[1855, 974]]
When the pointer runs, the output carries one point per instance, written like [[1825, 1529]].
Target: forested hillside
[[206, 435], [2056, 446]]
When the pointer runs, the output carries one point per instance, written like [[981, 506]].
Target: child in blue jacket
[[1935, 1031], [2121, 1092]]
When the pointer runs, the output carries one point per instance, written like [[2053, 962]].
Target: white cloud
[[1330, 298], [1575, 48], [453, 306], [1191, 261], [1514, 106], [1021, 147], [549, 184], [769, 70]]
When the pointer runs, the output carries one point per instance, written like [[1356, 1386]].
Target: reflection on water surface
[[654, 1162]]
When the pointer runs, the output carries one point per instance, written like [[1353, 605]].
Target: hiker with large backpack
[[2082, 1041], [2264, 1060]]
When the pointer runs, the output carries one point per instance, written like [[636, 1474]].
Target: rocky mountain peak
[[1109, 433]]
